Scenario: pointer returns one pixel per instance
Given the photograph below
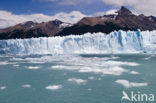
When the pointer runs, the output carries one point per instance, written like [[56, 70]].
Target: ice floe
[[91, 78], [77, 80], [129, 84], [2, 87], [134, 72], [26, 86], [33, 67], [6, 63], [53, 87]]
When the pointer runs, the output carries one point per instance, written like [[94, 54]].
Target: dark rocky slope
[[31, 29], [125, 20]]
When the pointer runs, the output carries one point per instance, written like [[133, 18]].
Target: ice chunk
[[128, 84]]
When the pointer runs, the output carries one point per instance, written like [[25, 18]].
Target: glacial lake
[[86, 78]]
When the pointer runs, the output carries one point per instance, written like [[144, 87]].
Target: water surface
[[75, 78]]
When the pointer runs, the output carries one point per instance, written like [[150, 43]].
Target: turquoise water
[[75, 79]]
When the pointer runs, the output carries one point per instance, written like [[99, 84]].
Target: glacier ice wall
[[115, 42]]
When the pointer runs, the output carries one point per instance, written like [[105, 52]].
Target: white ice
[[53, 87], [128, 84], [77, 80], [115, 42]]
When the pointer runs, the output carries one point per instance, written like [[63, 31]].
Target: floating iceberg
[[115, 42]]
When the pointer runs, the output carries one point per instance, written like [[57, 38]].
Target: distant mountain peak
[[56, 22], [124, 20], [27, 24], [124, 11]]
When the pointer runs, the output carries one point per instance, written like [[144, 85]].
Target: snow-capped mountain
[[124, 19]]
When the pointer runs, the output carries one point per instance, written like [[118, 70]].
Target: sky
[[51, 7], [17, 11]]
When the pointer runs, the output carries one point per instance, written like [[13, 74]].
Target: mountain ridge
[[124, 20], [30, 29]]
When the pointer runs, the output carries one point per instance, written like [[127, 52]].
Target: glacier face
[[115, 42]]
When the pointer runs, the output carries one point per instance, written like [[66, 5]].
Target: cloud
[[143, 6], [120, 2], [70, 2], [9, 19], [111, 11], [71, 17], [52, 0]]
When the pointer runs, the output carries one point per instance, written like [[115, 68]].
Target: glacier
[[95, 43]]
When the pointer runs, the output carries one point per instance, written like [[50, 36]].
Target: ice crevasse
[[115, 42]]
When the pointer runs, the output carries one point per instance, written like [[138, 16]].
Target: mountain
[[30, 29], [124, 20]]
